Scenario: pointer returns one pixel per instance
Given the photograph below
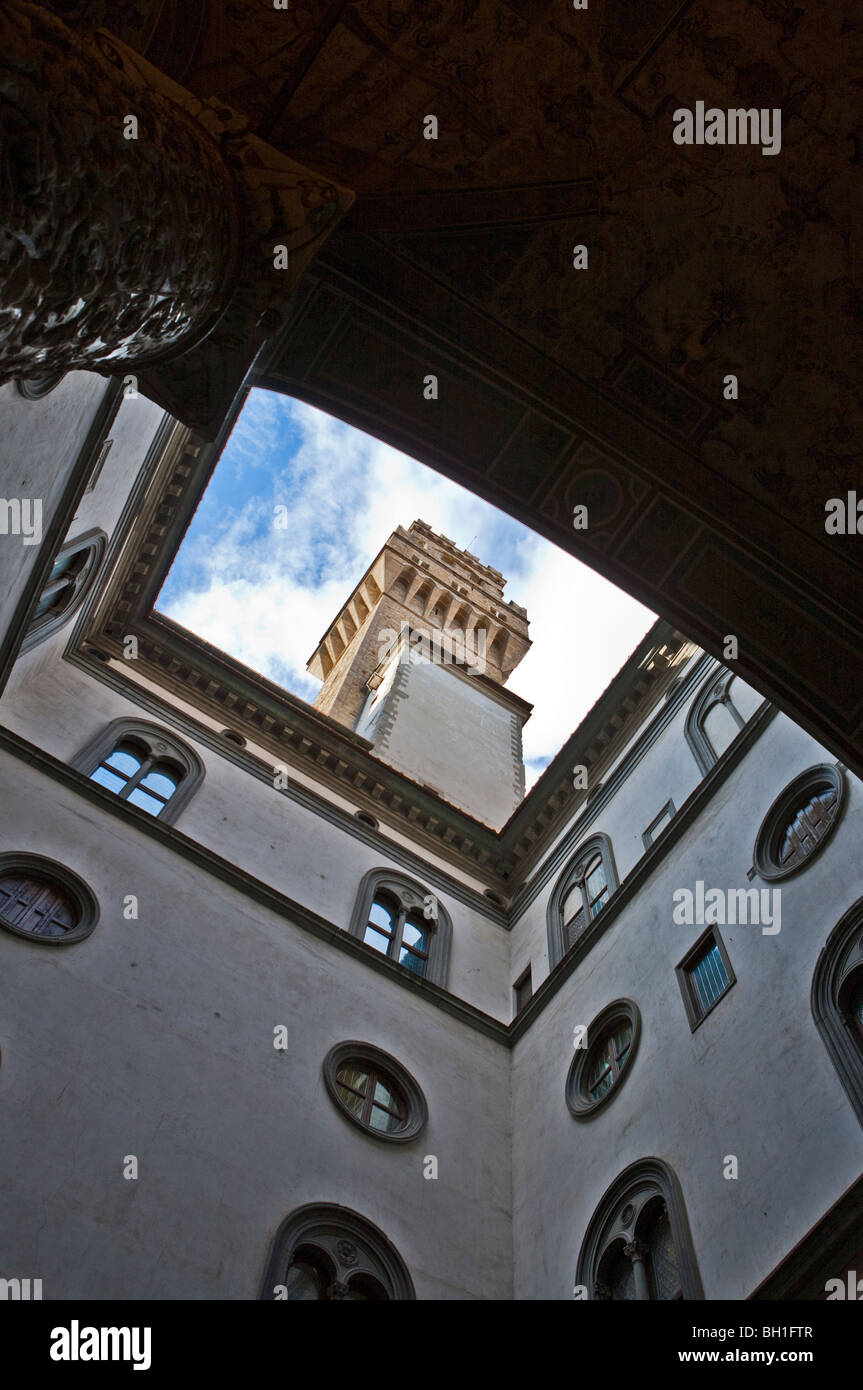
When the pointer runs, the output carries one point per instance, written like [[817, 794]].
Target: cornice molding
[[307, 920], [254, 888], [311, 800], [645, 866], [175, 472]]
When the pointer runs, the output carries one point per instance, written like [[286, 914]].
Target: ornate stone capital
[[140, 226]]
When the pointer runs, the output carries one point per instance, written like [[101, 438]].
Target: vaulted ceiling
[[603, 385]]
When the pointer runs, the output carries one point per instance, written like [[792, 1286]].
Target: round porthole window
[[44, 901], [375, 1092], [800, 821], [600, 1066]]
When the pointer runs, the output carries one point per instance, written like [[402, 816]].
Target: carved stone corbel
[[147, 245]]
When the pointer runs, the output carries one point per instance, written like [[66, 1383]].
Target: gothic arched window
[[44, 901], [719, 711], [405, 922], [325, 1252], [837, 1002], [72, 574], [799, 821], [581, 892], [144, 765], [638, 1245]]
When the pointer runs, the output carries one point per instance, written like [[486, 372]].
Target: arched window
[[719, 711], [375, 1092], [598, 1068], [35, 388], [581, 892], [44, 900], [144, 765], [800, 821], [837, 1001], [325, 1252], [405, 922], [72, 574], [638, 1245]]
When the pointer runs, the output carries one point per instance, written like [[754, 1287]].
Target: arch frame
[[840, 957], [557, 948], [161, 744], [39, 629], [714, 691], [411, 894], [302, 1225], [637, 1187]]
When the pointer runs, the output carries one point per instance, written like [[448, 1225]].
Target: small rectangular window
[[656, 827], [522, 989], [704, 976]]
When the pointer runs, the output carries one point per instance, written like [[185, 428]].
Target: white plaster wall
[[667, 770], [39, 445], [451, 734], [753, 1080], [155, 1038], [132, 432], [60, 708]]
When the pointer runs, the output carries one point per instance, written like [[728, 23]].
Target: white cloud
[[266, 596]]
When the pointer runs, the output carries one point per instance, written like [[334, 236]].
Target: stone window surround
[[651, 834], [715, 691], [37, 865], [326, 1219], [617, 1219], [161, 745], [600, 842], [695, 1011], [840, 960], [367, 1054], [95, 542], [806, 782], [580, 1104], [410, 895]]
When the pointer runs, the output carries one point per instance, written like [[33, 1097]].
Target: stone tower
[[429, 621]]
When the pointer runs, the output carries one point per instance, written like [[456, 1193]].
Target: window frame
[[38, 866], [79, 582], [650, 836], [619, 1218], [388, 1069], [410, 896], [350, 1241], [578, 861], [807, 782], [839, 964], [161, 745], [520, 1003], [715, 691], [582, 1106], [695, 1010]]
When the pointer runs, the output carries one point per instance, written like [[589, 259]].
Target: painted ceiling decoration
[[557, 385]]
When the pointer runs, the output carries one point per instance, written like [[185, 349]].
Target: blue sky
[[266, 594]]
